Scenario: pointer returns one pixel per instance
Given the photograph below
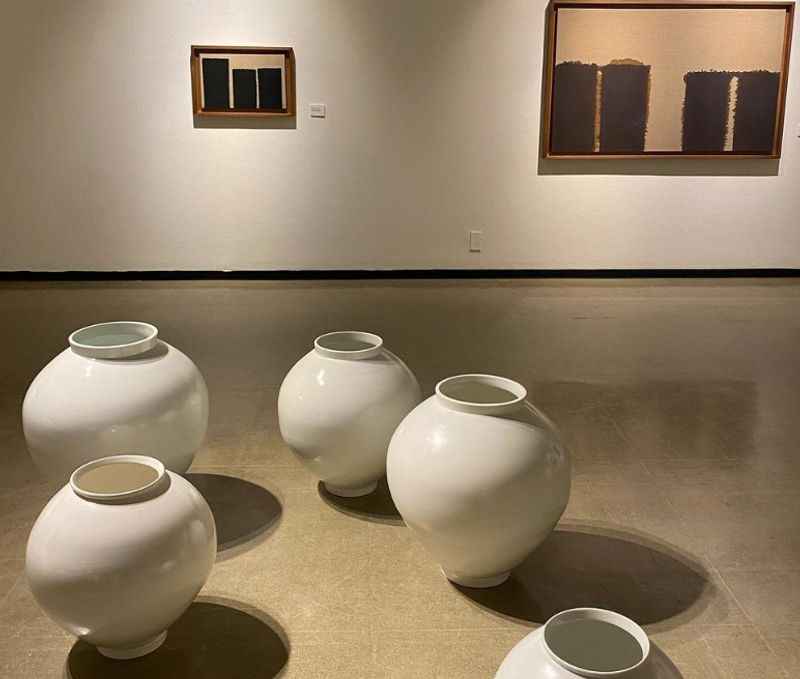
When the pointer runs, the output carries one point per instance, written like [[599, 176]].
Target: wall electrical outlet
[[317, 110], [475, 241]]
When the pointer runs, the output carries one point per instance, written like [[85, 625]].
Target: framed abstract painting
[[690, 79], [243, 81]]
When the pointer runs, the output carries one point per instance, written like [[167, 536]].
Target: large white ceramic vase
[[117, 388], [339, 405], [120, 552], [480, 476], [583, 642]]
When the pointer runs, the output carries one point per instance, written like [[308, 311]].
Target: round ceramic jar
[[480, 476], [120, 552], [339, 405], [582, 642], [116, 389]]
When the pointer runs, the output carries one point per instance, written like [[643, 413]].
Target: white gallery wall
[[432, 130]]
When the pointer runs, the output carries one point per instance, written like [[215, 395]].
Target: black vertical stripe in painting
[[574, 95], [756, 112], [270, 88], [705, 111], [216, 90], [623, 108], [244, 88]]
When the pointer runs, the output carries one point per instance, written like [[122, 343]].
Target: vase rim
[[134, 493], [89, 341], [600, 614], [335, 344], [480, 407]]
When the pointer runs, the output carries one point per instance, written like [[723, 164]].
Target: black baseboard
[[386, 274]]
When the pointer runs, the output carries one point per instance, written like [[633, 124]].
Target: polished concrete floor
[[679, 401]]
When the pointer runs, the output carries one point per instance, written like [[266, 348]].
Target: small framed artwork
[[243, 81], [692, 78]]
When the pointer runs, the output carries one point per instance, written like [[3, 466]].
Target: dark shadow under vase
[[586, 566], [213, 639], [659, 666], [378, 506], [245, 513]]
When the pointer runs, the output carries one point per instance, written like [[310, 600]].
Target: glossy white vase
[[118, 388], [480, 476], [120, 552], [582, 642], [339, 405]]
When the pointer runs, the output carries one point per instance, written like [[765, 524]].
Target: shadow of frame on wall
[[662, 167], [201, 123]]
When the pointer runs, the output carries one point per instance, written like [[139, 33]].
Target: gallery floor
[[679, 401]]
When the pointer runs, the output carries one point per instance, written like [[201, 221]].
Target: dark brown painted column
[[705, 111], [270, 92], [216, 89], [574, 95], [624, 105], [244, 88], [756, 111]]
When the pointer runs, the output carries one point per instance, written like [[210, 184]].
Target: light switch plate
[[318, 110], [475, 241]]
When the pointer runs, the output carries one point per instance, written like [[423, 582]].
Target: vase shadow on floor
[[214, 639], [659, 666], [245, 513], [378, 506], [578, 566]]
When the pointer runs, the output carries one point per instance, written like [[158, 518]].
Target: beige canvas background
[[672, 42], [248, 61]]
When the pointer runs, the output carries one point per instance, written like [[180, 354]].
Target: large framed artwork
[[690, 79], [243, 81]]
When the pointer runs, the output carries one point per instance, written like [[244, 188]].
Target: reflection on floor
[[679, 401]]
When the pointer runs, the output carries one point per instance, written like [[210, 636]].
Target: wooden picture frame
[[622, 129], [256, 93]]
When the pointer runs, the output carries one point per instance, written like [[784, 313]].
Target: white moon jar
[[582, 642], [120, 552], [480, 476], [116, 389], [339, 405]]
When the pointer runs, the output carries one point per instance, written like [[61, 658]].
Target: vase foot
[[340, 491], [130, 652], [478, 583]]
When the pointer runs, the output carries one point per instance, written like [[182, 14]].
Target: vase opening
[[592, 642], [482, 394], [118, 478], [118, 339], [349, 344]]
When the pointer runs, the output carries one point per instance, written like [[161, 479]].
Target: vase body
[[117, 569], [339, 405], [116, 389], [480, 476], [602, 643]]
